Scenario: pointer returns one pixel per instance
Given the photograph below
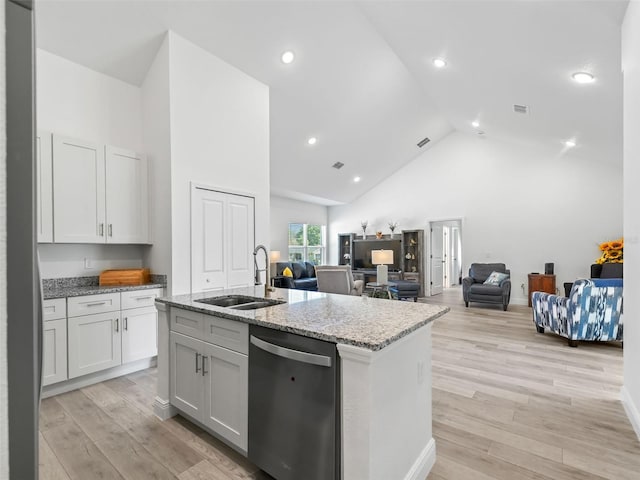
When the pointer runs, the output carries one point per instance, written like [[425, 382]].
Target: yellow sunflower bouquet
[[611, 252]]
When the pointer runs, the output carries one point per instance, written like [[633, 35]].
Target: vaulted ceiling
[[363, 82]]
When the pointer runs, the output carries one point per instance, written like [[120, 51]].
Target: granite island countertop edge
[[187, 302]]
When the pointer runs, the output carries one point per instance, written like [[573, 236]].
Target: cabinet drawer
[[90, 304], [227, 333], [140, 298], [187, 322], [54, 309]]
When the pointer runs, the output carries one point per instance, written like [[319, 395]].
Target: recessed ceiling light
[[570, 143], [287, 57], [312, 140], [439, 62], [356, 179], [583, 77], [475, 124]]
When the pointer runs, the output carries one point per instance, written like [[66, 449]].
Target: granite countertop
[[77, 291], [370, 323], [78, 286]]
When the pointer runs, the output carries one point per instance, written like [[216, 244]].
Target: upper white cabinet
[[44, 185], [126, 196], [99, 193], [78, 191]]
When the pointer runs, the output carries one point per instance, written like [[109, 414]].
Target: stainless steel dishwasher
[[294, 429]]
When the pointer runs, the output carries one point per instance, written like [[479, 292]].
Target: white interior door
[[437, 259], [241, 240], [222, 238], [456, 265]]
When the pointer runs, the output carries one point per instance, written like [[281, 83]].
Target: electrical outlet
[[87, 263]]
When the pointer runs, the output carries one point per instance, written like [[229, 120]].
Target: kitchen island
[[384, 350]]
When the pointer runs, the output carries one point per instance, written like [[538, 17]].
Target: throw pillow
[[496, 278], [287, 272]]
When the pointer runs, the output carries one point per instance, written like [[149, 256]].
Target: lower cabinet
[[94, 343], [210, 383], [54, 351], [139, 333]]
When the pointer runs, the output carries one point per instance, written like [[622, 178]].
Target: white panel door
[[222, 238], [208, 241], [54, 351], [185, 377], [44, 187], [437, 259], [94, 343], [241, 241], [78, 191], [139, 333], [456, 265], [226, 378], [127, 213]]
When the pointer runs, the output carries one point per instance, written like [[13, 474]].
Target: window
[[307, 243]]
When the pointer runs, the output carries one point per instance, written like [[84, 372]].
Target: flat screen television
[[362, 252]]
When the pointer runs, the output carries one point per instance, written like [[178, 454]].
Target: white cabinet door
[[127, 217], [78, 191], [222, 238], [44, 187], [54, 351], [185, 377], [94, 343], [139, 333], [226, 377]]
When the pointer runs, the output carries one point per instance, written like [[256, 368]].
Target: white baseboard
[[424, 463], [631, 409], [86, 380], [163, 409]]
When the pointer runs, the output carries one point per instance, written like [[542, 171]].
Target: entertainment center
[[407, 247]]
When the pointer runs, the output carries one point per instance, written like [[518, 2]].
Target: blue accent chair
[[593, 311]]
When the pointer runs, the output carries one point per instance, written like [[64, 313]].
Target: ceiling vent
[[423, 142], [338, 165], [521, 109]]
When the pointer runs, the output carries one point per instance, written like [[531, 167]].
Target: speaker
[[548, 268]]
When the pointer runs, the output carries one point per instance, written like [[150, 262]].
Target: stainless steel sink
[[240, 302]]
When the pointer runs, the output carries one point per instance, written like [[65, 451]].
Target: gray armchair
[[338, 279], [474, 289]]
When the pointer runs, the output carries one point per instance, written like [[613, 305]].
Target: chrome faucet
[[267, 288]]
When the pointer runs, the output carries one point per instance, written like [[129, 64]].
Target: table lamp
[[382, 258]]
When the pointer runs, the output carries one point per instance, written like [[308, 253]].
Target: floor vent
[[521, 109], [338, 165], [423, 142]]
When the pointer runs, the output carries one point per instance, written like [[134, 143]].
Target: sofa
[[304, 275], [592, 311], [604, 270], [475, 290]]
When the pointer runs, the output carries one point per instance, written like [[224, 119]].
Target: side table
[[279, 281], [383, 287], [541, 283]]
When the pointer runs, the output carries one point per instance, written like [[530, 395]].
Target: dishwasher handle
[[296, 355]]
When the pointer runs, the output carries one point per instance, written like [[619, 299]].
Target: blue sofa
[[593, 311], [304, 275]]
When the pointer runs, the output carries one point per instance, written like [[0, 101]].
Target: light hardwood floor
[[508, 403]]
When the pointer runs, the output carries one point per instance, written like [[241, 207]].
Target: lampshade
[[382, 257], [274, 256]]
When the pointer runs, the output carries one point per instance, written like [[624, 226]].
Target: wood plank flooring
[[508, 403]]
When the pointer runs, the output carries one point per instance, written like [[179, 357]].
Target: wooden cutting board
[[125, 276]]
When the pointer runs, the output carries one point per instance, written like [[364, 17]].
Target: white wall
[[4, 419], [75, 101], [631, 67], [520, 207], [285, 211], [68, 260], [157, 145], [219, 138]]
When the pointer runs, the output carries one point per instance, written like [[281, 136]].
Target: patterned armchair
[[593, 311]]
